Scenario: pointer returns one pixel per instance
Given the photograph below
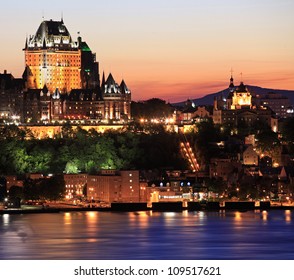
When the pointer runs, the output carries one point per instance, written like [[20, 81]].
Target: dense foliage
[[152, 108], [88, 151]]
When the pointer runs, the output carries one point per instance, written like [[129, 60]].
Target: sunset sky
[[169, 49]]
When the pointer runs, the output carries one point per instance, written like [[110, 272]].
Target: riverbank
[[157, 207]]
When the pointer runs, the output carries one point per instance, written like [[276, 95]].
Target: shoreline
[[126, 209]]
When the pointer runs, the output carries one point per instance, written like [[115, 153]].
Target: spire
[[61, 17], [110, 80], [124, 88], [231, 80], [111, 86], [45, 89], [56, 94], [103, 80], [26, 43]]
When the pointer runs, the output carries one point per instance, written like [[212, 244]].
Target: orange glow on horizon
[[164, 49]]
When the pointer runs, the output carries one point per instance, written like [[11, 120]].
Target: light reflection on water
[[148, 235]]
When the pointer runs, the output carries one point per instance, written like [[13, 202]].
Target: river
[[227, 235]]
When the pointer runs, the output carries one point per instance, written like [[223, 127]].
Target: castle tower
[[117, 99], [241, 97], [231, 91], [54, 59]]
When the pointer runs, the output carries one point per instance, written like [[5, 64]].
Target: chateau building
[[53, 59], [61, 81]]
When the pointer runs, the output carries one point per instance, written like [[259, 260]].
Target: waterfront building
[[13, 180], [115, 186], [173, 189], [75, 185]]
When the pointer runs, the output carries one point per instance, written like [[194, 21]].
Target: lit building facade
[[239, 108], [241, 98], [75, 185], [53, 59], [115, 186], [11, 98], [62, 81], [250, 156]]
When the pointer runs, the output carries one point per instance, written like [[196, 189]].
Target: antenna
[[42, 15], [241, 75]]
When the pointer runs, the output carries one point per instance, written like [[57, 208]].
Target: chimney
[[5, 71]]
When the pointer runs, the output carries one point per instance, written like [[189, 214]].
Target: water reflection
[[92, 218], [5, 219], [288, 216], [264, 215], [138, 219], [238, 217], [67, 218], [148, 235]]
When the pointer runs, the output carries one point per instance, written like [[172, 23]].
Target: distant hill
[[208, 99]]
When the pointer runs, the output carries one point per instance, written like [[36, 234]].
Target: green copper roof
[[85, 47]]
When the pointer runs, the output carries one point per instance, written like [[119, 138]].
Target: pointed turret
[[45, 89], [56, 94], [124, 88], [231, 82], [110, 80], [103, 80], [111, 86], [26, 44], [28, 77]]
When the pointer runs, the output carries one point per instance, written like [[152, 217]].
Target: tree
[[287, 132], [205, 140], [12, 132], [67, 131], [72, 167], [152, 108], [268, 141]]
